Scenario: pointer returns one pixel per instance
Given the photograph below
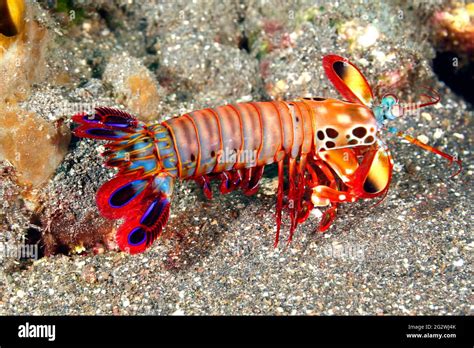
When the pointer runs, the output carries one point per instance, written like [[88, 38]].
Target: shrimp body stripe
[[243, 135]]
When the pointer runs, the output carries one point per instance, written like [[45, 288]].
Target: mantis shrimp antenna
[[389, 109], [427, 147]]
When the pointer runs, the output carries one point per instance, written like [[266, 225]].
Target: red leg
[[279, 204], [254, 181], [203, 181], [292, 194], [300, 188]]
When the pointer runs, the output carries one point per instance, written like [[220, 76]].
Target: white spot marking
[[344, 119], [319, 202]]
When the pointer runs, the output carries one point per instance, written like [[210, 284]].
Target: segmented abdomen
[[240, 136]]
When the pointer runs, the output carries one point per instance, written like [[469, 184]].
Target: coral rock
[[21, 55], [34, 146], [454, 28], [135, 86], [13, 21], [14, 217]]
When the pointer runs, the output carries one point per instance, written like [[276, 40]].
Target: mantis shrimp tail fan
[[140, 192]]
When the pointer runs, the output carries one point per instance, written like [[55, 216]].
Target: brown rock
[[34, 146], [22, 50], [135, 86], [143, 96]]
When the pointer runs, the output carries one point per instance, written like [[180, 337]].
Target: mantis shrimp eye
[[396, 110], [389, 109]]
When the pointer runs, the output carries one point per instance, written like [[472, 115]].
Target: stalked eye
[[126, 193], [153, 212], [137, 236], [397, 110], [116, 121]]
